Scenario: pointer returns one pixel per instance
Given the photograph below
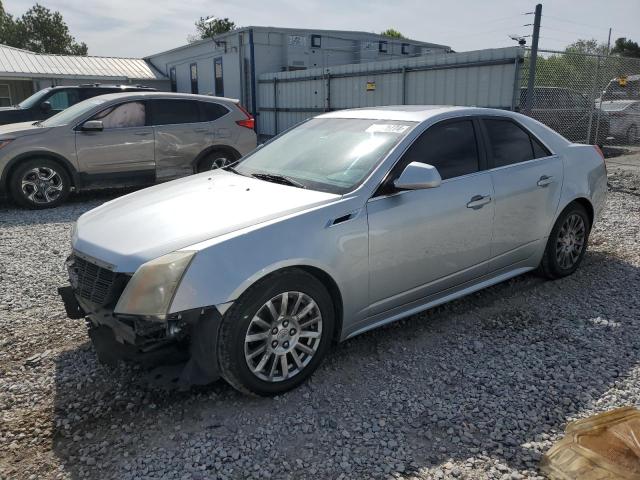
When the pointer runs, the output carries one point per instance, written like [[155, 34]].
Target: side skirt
[[426, 303]]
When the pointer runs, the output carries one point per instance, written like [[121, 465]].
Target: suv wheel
[[276, 334], [215, 160], [39, 183]]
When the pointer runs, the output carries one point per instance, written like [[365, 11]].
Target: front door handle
[[544, 181], [201, 130], [142, 134], [478, 201]]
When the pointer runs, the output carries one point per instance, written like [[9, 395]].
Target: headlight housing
[[150, 291]]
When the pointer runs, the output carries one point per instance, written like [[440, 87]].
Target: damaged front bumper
[[188, 337]]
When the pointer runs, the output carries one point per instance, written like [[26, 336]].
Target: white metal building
[[23, 73], [229, 64]]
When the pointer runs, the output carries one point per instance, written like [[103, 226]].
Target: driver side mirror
[[45, 107], [417, 176], [92, 126]]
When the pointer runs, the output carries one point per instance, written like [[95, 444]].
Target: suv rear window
[[212, 111], [171, 112]]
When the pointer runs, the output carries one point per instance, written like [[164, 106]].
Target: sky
[[137, 28]]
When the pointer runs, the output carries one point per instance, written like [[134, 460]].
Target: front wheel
[[567, 243], [39, 183], [276, 334], [215, 160]]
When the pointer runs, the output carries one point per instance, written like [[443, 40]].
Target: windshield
[[327, 154], [72, 113], [34, 99]]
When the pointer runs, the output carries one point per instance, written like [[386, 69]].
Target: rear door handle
[[478, 201], [201, 130], [142, 134], [545, 180]]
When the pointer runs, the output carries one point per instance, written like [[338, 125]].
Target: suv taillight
[[248, 122]]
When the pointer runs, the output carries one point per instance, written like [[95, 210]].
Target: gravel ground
[[479, 388]]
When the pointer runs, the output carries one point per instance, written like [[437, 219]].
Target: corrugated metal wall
[[486, 78]]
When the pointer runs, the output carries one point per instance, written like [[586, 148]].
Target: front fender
[[226, 267]]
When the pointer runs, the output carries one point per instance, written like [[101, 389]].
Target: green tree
[[39, 30], [591, 46], [626, 48], [7, 26], [393, 33], [209, 27]]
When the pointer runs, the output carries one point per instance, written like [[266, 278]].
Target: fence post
[[595, 138], [275, 104], [592, 101], [534, 58]]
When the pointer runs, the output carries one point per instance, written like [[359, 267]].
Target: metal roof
[[15, 62], [285, 30]]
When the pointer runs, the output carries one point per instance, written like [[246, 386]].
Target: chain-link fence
[[586, 98]]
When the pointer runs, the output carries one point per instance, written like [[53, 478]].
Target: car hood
[[21, 129], [143, 225]]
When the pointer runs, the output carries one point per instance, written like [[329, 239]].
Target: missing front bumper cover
[[188, 337]]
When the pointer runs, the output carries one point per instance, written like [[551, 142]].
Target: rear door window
[[451, 147], [510, 143], [171, 112]]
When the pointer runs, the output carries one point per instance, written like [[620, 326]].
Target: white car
[[349, 221]]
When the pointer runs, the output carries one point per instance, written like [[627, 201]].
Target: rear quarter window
[[211, 111]]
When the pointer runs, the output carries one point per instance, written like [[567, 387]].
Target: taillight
[[249, 122], [599, 150]]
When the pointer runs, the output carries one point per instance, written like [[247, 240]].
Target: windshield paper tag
[[386, 128]]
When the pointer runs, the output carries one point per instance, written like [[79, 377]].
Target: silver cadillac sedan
[[349, 221]]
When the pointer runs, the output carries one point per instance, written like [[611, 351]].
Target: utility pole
[[609, 42], [534, 58]]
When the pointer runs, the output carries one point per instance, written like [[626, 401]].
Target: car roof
[[99, 86], [140, 95], [411, 113]]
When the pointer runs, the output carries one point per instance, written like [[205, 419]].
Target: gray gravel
[[479, 388]]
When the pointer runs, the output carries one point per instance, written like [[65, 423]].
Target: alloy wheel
[[42, 185], [570, 241], [283, 336], [219, 163]]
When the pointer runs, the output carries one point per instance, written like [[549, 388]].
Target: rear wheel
[[214, 160], [276, 334], [39, 183], [567, 243]]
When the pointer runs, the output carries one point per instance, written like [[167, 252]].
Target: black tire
[[236, 323], [550, 266], [214, 160], [36, 171]]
